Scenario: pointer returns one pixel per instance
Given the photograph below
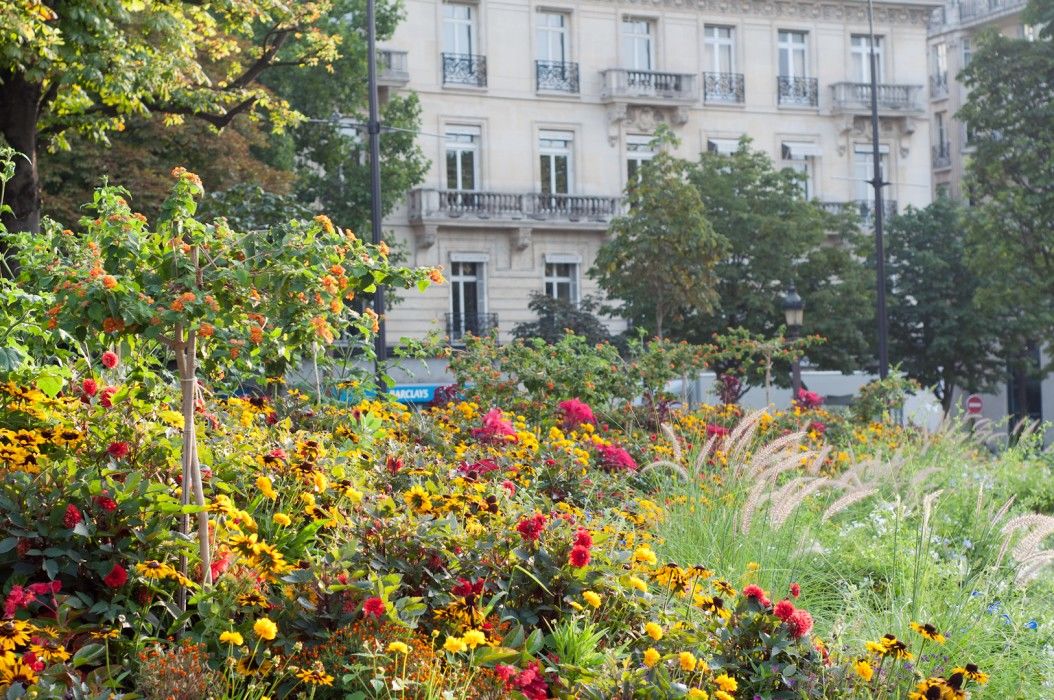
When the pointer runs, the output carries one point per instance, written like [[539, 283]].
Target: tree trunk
[[19, 109]]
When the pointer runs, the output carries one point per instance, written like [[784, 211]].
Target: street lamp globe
[[793, 308]]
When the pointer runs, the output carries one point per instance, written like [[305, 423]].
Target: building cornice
[[904, 13]]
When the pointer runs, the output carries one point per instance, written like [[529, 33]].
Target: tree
[[938, 332], [558, 316], [660, 258], [87, 66], [775, 238]]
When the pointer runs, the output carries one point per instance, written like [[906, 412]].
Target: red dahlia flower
[[73, 516], [784, 609], [753, 591], [109, 359], [800, 623], [373, 607], [104, 501], [106, 398], [614, 458], [531, 528], [116, 578], [583, 538], [495, 428], [89, 386], [575, 412], [118, 450], [795, 590], [579, 556]]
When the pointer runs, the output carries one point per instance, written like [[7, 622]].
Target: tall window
[[863, 170], [638, 152], [561, 281], [940, 61], [720, 49], [967, 52], [942, 133], [638, 46], [792, 52], [551, 36], [554, 148], [800, 157], [860, 49], [462, 157], [459, 28], [467, 299]]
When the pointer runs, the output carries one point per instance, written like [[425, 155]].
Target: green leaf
[[87, 654], [7, 544], [50, 383]]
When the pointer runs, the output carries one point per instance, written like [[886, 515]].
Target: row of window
[[638, 43], [556, 159]]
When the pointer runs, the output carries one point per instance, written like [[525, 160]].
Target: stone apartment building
[[536, 112]]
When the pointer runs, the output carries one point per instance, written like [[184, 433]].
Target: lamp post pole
[[373, 128], [877, 184], [794, 315]]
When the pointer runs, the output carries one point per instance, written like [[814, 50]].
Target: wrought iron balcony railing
[[728, 88], [458, 325], [624, 84], [801, 92], [556, 76], [970, 11], [856, 97], [582, 210], [939, 85], [464, 69], [391, 68], [942, 156]]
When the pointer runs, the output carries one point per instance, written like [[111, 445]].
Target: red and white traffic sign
[[974, 404]]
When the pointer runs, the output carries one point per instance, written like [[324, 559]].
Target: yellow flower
[[455, 645], [726, 683], [972, 672], [644, 554], [399, 647], [473, 638], [697, 694], [266, 488], [687, 661], [651, 656], [638, 584], [753, 566], [418, 499], [722, 695], [281, 519], [265, 629], [315, 676], [591, 598], [864, 669], [232, 637], [928, 631], [653, 630]]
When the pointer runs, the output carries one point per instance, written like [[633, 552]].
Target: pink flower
[[116, 578], [109, 359], [373, 607], [505, 672], [755, 592], [30, 659], [17, 598], [799, 623], [614, 458], [579, 556], [784, 609], [118, 450], [531, 683], [818, 426], [106, 398], [474, 471], [795, 590], [713, 429], [808, 399], [574, 413], [495, 428], [73, 516], [530, 529], [89, 386]]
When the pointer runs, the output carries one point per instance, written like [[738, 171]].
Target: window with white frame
[[800, 156], [864, 169], [459, 28], [462, 157], [941, 125], [554, 149], [967, 52], [550, 31], [638, 44], [793, 52], [720, 46], [860, 62], [468, 300], [940, 63], [561, 279], [638, 152]]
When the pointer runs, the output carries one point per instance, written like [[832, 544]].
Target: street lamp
[[793, 313]]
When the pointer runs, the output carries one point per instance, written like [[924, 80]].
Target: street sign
[[974, 404]]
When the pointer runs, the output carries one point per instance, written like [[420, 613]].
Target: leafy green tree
[[938, 332], [776, 237], [660, 259], [558, 316], [87, 66]]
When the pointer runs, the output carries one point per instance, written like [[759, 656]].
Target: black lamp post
[[793, 313]]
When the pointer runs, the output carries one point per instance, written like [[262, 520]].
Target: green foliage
[[660, 259], [940, 334], [752, 359], [880, 399], [777, 238], [558, 316]]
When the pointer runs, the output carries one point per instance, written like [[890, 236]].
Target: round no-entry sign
[[974, 404]]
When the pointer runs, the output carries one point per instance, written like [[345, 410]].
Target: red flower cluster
[[758, 594], [800, 622], [20, 597], [713, 429], [89, 387], [529, 681], [106, 397], [783, 610], [580, 554], [109, 359], [104, 501], [118, 450], [73, 516], [117, 577], [575, 412], [474, 471], [496, 428], [530, 529], [808, 399], [373, 607], [393, 464], [614, 458]]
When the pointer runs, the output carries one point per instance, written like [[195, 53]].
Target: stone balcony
[[893, 100], [647, 87], [392, 70], [864, 210]]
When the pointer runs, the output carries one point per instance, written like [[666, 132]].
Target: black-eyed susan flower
[[972, 672], [931, 689], [13, 634], [928, 631], [252, 599], [315, 676]]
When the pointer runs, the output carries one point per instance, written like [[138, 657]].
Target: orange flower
[[327, 225], [206, 330], [109, 281], [188, 297], [384, 249], [176, 305], [112, 325], [436, 275], [256, 335]]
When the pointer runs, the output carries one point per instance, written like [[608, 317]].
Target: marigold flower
[[863, 668], [281, 519], [398, 648], [651, 657], [653, 630], [109, 281], [591, 598], [645, 555], [231, 637], [697, 694], [266, 488], [455, 645], [722, 695], [687, 661], [265, 629], [726, 683], [637, 583]]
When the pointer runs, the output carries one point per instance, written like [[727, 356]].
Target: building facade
[[953, 31], [536, 113]]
